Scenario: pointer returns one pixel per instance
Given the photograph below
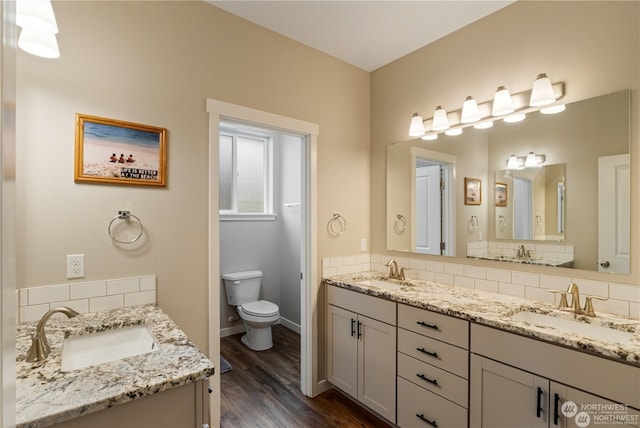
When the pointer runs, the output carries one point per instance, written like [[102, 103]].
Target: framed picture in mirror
[[501, 194], [472, 191]]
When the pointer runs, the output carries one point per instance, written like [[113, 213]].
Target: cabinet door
[[377, 366], [342, 350], [583, 409], [502, 396]]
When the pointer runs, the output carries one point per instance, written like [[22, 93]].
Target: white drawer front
[[434, 352], [419, 408], [373, 307], [436, 380], [438, 326]]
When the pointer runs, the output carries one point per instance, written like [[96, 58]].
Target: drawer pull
[[424, 324], [359, 330], [539, 403], [431, 381], [431, 354], [353, 327], [556, 401], [422, 418]]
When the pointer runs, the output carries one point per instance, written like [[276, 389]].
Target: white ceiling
[[367, 34]]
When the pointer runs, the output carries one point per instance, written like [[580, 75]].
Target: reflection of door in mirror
[[614, 197], [522, 208], [432, 225]]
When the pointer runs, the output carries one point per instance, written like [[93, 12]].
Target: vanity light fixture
[[502, 102], [470, 111], [39, 28], [416, 128], [504, 105], [542, 92], [512, 162], [530, 161], [440, 120], [453, 132]]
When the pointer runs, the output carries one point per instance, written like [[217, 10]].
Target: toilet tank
[[242, 287]]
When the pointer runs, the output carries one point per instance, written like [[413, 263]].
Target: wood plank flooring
[[263, 390]]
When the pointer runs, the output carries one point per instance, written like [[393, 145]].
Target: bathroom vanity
[[466, 357], [47, 394]]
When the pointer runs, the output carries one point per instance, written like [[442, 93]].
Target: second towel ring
[[341, 223], [125, 215], [400, 224]]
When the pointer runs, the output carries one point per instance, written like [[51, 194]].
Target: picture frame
[[472, 191], [501, 194], [119, 152]]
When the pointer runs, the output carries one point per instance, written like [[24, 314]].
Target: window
[[245, 177]]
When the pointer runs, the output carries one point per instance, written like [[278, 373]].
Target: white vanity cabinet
[[361, 348], [518, 381], [433, 369]]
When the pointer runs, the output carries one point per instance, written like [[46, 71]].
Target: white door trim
[[309, 266]]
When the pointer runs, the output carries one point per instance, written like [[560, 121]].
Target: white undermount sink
[[96, 348], [592, 331], [385, 285]]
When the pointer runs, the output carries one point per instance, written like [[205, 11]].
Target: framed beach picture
[[114, 151], [472, 191], [501, 194]]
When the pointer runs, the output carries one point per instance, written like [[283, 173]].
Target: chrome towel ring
[[400, 224], [337, 225], [126, 216]]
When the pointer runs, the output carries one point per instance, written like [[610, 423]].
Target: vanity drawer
[[373, 307], [414, 402], [436, 380], [438, 326], [434, 352]]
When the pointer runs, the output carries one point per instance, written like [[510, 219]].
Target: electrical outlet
[[75, 266]]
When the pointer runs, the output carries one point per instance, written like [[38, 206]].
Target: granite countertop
[[495, 310], [45, 395]]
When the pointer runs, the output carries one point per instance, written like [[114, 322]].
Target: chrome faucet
[[394, 272], [39, 345]]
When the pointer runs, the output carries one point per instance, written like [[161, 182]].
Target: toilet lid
[[260, 308]]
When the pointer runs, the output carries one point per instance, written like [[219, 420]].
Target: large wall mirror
[[576, 199]]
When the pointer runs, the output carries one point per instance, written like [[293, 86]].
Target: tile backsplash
[[624, 299], [92, 296]]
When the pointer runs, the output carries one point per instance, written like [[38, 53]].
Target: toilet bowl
[[243, 290]]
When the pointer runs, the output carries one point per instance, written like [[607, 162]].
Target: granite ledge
[[45, 395], [495, 310]]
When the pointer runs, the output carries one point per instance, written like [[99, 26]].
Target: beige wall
[[592, 46], [155, 63]]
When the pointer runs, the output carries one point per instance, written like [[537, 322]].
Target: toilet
[[243, 291]]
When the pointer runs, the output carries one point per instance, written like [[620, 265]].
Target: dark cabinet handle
[[556, 415], [424, 324], [422, 418], [539, 404], [431, 381], [431, 354], [353, 327], [359, 329]]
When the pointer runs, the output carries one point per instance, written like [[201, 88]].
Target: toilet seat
[[260, 308]]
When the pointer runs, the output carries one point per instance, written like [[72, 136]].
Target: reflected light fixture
[[530, 160], [512, 162], [470, 111], [440, 120], [416, 128], [513, 118], [453, 132], [542, 92], [502, 102], [553, 109], [430, 137], [484, 125], [37, 43], [39, 28]]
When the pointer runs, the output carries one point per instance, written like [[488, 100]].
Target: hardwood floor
[[263, 390]]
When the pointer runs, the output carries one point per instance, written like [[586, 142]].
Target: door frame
[[309, 259]]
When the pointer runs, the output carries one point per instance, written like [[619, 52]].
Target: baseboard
[[237, 329], [290, 325], [323, 386]]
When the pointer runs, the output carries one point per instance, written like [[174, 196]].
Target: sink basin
[[109, 345], [385, 285], [570, 326]]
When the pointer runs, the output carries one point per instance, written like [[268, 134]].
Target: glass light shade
[[512, 163], [40, 44], [542, 92], [36, 15], [470, 111], [453, 132], [416, 128], [484, 125], [502, 102], [440, 120], [553, 109], [430, 137], [530, 160], [518, 117]]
